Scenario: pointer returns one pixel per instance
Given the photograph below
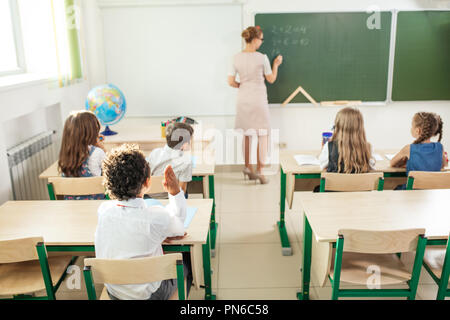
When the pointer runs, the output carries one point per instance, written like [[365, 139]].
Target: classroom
[[224, 150]]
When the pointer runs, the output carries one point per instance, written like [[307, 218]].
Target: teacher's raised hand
[[278, 61]]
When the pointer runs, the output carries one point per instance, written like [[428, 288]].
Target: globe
[[108, 103]]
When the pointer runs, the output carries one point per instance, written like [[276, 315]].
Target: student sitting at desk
[[422, 154], [128, 229], [347, 151], [82, 150], [178, 137]]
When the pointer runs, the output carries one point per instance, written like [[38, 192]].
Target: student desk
[[309, 176], [69, 226], [149, 137], [326, 213], [203, 173]]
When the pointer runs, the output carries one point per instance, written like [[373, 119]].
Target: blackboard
[[333, 56], [422, 56]]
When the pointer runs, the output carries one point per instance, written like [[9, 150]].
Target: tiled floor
[[248, 262]]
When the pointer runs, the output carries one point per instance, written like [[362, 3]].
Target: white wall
[[300, 127]]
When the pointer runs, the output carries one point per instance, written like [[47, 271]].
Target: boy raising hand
[[127, 228]]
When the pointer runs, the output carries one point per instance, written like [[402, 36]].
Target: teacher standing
[[252, 110]]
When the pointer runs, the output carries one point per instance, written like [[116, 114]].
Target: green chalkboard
[[333, 56], [422, 56]]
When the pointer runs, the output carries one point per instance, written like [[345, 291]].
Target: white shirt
[[181, 163], [95, 161], [323, 158], [130, 229]]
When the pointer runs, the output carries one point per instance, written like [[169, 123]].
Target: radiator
[[27, 161]]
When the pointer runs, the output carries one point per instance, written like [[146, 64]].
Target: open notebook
[[190, 211], [306, 160]]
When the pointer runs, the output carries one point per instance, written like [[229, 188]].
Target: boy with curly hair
[[128, 229]]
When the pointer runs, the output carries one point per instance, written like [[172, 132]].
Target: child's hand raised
[[170, 181]]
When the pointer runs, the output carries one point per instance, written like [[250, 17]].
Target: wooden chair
[[428, 180], [367, 251], [133, 271], [83, 186], [440, 275], [330, 181], [26, 269]]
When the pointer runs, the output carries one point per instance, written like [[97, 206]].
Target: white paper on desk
[[390, 156], [306, 160], [190, 211], [378, 157]]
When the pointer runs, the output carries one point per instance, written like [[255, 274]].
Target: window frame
[[18, 41]]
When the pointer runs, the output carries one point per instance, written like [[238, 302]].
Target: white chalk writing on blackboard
[[288, 29]]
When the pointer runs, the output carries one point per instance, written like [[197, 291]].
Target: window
[[11, 52], [46, 33]]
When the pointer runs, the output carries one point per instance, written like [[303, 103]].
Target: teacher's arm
[[232, 82], [271, 78]]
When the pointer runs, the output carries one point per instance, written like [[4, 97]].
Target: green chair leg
[[380, 184], [43, 261], [90, 287], [180, 280], [337, 268], [410, 183], [51, 191], [322, 185], [417, 267]]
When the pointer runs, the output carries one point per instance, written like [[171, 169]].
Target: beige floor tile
[[427, 292], [248, 201], [258, 266], [249, 228], [235, 180], [196, 294], [257, 294]]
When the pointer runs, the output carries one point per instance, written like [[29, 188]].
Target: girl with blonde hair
[[348, 150]]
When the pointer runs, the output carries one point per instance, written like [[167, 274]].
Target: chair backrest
[[19, 250], [428, 180], [380, 242], [82, 186], [134, 271], [156, 185], [352, 182]]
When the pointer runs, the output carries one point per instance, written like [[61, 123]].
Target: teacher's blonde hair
[[251, 33], [350, 137]]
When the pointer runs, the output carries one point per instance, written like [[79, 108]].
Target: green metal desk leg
[[286, 249], [207, 270], [306, 270], [213, 225]]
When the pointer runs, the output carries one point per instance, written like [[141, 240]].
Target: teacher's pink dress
[[252, 110]]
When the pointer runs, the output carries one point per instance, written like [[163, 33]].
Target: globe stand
[[108, 132]]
